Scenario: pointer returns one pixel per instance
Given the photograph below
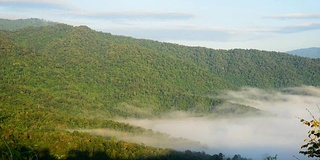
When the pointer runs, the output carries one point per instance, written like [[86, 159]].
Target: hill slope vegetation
[[57, 77]]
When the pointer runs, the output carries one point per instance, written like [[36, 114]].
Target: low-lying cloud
[[148, 138], [278, 132]]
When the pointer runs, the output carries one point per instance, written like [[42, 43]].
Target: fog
[[155, 140], [279, 132], [275, 130]]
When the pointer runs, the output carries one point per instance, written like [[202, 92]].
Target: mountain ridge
[[312, 52], [58, 78], [137, 69]]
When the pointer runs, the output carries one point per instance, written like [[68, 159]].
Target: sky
[[273, 25]]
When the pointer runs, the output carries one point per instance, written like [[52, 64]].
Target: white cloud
[[299, 28], [168, 34], [37, 4], [134, 15], [14, 16], [295, 16]]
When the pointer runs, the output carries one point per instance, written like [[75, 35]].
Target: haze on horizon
[[267, 24]]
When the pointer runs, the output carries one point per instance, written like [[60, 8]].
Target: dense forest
[[55, 78]]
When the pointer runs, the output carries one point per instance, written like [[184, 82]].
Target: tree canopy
[[57, 77]]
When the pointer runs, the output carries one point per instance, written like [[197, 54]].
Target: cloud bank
[[175, 34], [36, 4], [299, 28], [294, 16], [129, 15], [255, 137]]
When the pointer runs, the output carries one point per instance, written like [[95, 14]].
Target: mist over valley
[[277, 132]]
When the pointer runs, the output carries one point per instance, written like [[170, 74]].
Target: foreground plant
[[312, 145]]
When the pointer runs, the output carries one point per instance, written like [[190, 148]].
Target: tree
[[313, 141], [219, 156], [271, 158]]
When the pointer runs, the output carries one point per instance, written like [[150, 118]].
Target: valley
[[70, 91]]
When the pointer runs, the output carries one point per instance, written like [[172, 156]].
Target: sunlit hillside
[[57, 80]]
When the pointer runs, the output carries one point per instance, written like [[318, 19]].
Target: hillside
[[84, 68], [59, 78], [307, 52], [239, 67], [77, 64]]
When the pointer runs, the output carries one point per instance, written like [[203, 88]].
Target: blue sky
[[274, 25]]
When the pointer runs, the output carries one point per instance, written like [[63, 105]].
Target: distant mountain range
[[313, 52]]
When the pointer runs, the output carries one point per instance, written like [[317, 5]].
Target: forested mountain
[[307, 52], [239, 67], [79, 64], [58, 77]]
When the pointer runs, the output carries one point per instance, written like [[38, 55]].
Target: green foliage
[[50, 140], [11, 153], [28, 135], [312, 145], [87, 72], [58, 78], [240, 67], [78, 70]]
